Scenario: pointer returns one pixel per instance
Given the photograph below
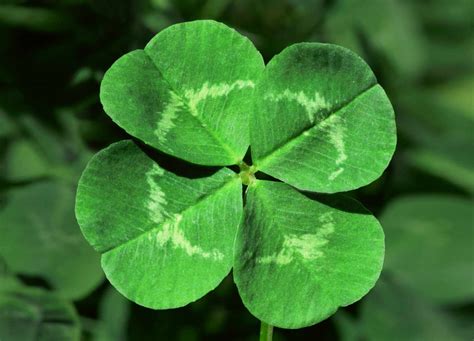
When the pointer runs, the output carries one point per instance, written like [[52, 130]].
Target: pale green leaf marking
[[333, 127], [170, 232], [191, 100], [312, 105], [307, 246], [157, 200], [336, 131], [168, 116], [195, 97]]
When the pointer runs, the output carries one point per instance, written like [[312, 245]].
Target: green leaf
[[457, 94], [29, 314], [297, 260], [392, 313], [35, 19], [448, 159], [424, 111], [321, 122], [429, 248], [7, 126], [24, 162], [188, 93], [40, 237], [347, 327], [441, 147], [5, 273], [40, 152], [114, 311], [165, 240], [384, 26]]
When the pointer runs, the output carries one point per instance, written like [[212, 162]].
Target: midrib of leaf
[[233, 178], [289, 144], [211, 133]]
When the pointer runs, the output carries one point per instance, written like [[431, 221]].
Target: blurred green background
[[53, 55]]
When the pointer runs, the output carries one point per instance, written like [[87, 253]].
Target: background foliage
[[52, 57]]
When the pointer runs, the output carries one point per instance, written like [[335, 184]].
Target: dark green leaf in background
[[388, 27], [31, 314], [448, 159], [114, 312], [392, 313], [442, 147], [24, 162], [33, 18], [40, 237], [348, 328], [429, 246], [7, 128], [38, 152]]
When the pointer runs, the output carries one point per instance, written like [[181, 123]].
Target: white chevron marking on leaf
[[335, 129], [157, 200], [311, 105], [213, 91], [168, 116], [173, 234], [307, 246]]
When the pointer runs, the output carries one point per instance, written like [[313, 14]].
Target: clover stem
[[246, 173], [266, 331]]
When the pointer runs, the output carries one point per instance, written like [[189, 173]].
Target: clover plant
[[29, 313], [314, 118], [40, 241]]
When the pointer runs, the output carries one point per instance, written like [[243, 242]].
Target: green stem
[[266, 332]]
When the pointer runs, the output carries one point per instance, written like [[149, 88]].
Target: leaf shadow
[[35, 281], [341, 202], [178, 166]]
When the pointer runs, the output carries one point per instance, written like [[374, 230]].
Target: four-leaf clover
[[314, 117]]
